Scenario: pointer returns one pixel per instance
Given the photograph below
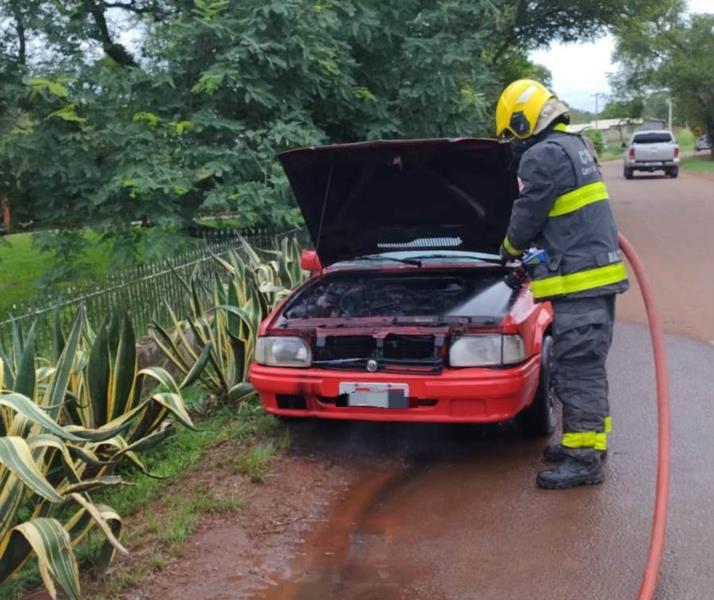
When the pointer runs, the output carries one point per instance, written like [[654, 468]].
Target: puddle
[[351, 557]]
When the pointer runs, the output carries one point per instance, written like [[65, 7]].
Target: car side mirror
[[309, 261], [624, 145]]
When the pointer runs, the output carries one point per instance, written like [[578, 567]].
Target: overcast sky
[[580, 70]]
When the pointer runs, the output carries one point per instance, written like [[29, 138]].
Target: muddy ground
[[385, 512], [244, 552]]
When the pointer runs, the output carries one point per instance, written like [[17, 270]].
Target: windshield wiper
[[406, 261], [494, 260]]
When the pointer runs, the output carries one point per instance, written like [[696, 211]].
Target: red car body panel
[[468, 395]]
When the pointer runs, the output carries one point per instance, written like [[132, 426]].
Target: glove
[[506, 256]]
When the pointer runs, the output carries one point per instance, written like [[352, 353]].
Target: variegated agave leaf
[[52, 545], [16, 456], [95, 514], [110, 524]]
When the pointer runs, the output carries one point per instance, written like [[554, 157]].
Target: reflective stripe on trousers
[[560, 285], [585, 439], [588, 439]]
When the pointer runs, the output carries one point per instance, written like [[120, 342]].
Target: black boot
[[555, 453], [572, 472]]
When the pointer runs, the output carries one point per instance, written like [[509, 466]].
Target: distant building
[[653, 124], [614, 131]]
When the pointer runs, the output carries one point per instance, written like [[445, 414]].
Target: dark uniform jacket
[[564, 209]]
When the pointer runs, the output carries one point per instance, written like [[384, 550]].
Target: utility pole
[[669, 111], [597, 111]]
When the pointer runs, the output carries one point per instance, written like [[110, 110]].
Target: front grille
[[343, 347], [396, 352], [403, 347]]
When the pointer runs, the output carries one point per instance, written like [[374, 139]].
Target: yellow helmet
[[519, 107]]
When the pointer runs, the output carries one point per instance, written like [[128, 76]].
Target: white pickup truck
[[652, 150]]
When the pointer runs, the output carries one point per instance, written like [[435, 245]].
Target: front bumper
[[468, 395]]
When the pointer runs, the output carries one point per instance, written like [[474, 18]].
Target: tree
[[671, 53], [629, 108], [101, 131]]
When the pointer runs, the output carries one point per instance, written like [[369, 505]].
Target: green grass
[[698, 164], [685, 138], [186, 512], [22, 266], [254, 463], [216, 223], [168, 461]]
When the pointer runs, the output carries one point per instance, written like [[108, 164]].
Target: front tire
[[539, 418]]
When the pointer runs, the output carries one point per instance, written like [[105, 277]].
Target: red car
[[406, 315]]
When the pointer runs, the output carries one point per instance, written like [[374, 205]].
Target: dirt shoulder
[[230, 517], [233, 555]]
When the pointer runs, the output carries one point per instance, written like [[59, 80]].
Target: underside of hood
[[372, 197]]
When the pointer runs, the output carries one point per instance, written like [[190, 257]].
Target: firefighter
[[563, 208]]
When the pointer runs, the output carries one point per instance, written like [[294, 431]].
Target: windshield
[[652, 138]]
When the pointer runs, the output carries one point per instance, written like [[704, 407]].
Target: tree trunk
[[5, 205], [115, 50], [21, 34]]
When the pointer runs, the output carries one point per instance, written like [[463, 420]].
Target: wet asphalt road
[[447, 512]]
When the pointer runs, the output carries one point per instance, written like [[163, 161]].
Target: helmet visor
[[519, 125]]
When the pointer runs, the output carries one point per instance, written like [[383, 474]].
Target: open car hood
[[373, 197]]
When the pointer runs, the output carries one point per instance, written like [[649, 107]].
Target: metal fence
[[144, 292]]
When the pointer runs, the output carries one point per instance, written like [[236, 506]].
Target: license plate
[[377, 395], [653, 163]]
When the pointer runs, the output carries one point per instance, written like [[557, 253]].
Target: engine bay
[[430, 292]]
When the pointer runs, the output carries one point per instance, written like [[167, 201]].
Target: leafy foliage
[[188, 113], [36, 462], [668, 51], [596, 137]]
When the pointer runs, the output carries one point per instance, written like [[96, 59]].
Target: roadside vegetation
[[686, 139], [163, 512], [666, 55], [698, 164], [75, 425]]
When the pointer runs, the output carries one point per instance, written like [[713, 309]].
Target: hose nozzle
[[518, 276]]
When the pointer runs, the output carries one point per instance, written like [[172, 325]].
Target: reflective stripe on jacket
[[564, 209]]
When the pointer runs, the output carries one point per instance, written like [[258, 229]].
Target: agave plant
[[216, 343], [39, 471], [277, 274], [107, 387], [64, 430]]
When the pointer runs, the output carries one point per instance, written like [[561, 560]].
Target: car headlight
[[487, 350], [283, 352]]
